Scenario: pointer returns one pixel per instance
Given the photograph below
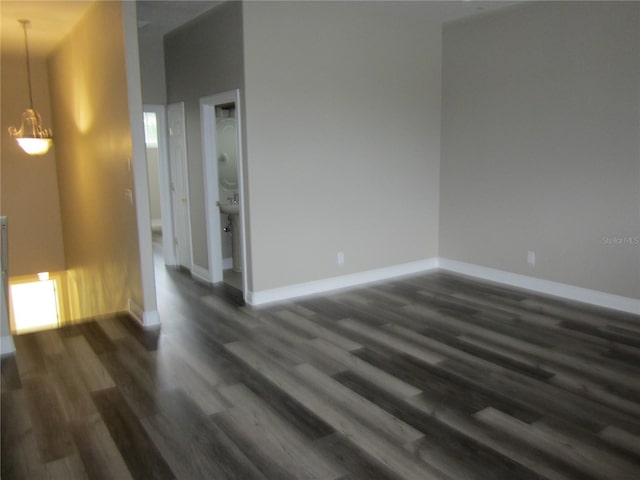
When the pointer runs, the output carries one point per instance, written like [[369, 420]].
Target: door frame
[[164, 174], [211, 189], [179, 106]]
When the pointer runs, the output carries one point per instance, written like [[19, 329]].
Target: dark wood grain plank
[[138, 451], [29, 357], [303, 419], [444, 387], [591, 461], [192, 444], [443, 447], [9, 373], [98, 451], [48, 418], [276, 447], [134, 383], [357, 464], [147, 338], [96, 338], [16, 435], [394, 457]]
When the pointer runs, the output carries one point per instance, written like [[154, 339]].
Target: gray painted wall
[[152, 71], [202, 58], [540, 146], [342, 119]]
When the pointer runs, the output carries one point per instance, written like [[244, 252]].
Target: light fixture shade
[[32, 137], [35, 146]]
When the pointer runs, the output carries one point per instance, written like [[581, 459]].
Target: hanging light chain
[[25, 23]]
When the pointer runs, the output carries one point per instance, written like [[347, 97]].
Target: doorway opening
[[224, 188], [158, 172]]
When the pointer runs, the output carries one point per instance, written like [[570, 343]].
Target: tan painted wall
[[29, 186], [94, 148], [343, 138], [540, 146]]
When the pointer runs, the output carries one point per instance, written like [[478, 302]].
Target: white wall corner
[[147, 319], [289, 292], [151, 319], [547, 287], [6, 345], [140, 174]]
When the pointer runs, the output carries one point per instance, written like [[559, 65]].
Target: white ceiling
[[157, 17], [51, 20]]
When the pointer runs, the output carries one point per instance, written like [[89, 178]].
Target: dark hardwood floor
[[429, 377]]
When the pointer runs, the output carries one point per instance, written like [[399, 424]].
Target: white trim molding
[[151, 319], [147, 319], [280, 294], [547, 287]]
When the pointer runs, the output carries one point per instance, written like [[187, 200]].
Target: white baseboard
[[273, 295], [556, 289], [6, 345], [227, 263], [136, 311], [146, 318], [200, 274], [151, 319]]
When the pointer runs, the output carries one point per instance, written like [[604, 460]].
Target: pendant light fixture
[[32, 137]]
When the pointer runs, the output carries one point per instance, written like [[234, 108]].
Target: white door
[[179, 183]]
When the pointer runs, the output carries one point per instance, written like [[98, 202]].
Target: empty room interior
[[320, 239]]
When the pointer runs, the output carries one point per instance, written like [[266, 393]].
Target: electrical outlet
[[531, 258], [341, 259]]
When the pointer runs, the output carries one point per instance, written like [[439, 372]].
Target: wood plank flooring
[[429, 377]]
